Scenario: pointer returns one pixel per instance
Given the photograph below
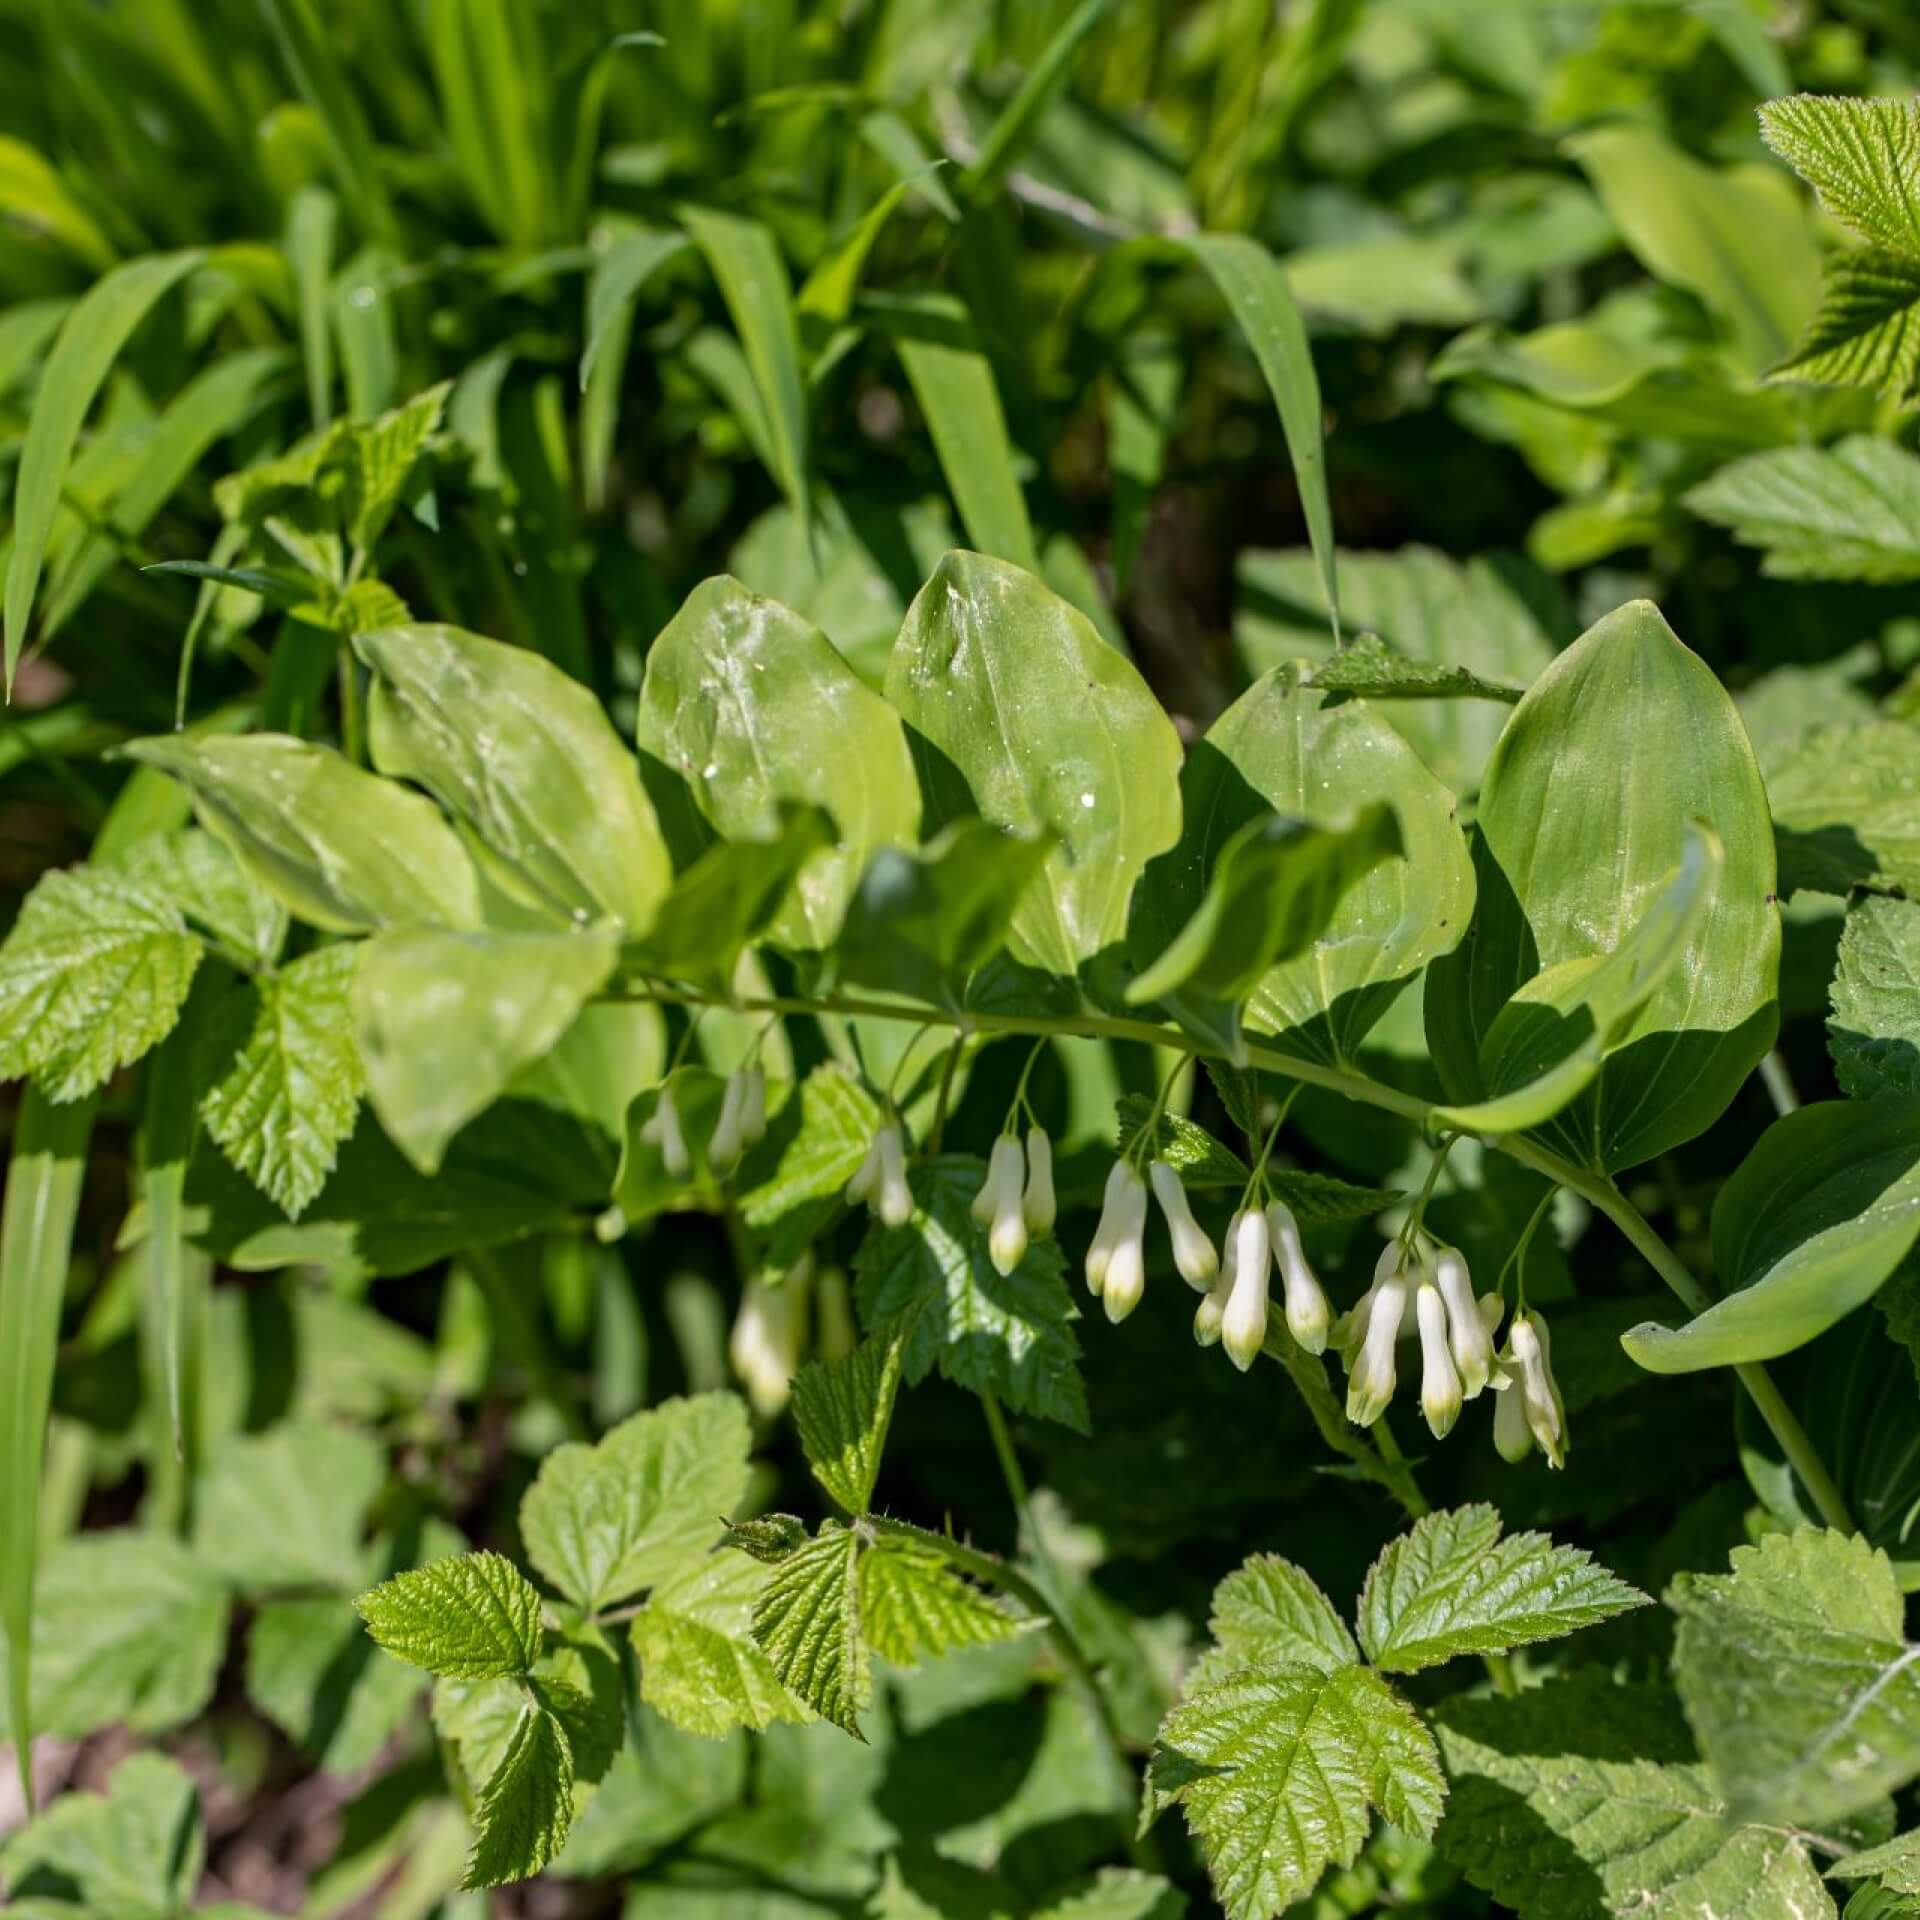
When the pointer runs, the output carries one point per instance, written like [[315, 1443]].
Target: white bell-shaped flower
[[1439, 1381], [1371, 1382], [1530, 1356], [1308, 1315], [1467, 1336], [1114, 1207], [1243, 1327], [662, 1130], [1038, 1203], [1512, 1437], [867, 1176], [753, 1106], [768, 1335], [1193, 1252], [1212, 1311], [723, 1147], [1126, 1282], [1003, 1209], [895, 1199]]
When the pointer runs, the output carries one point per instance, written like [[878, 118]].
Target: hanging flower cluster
[[742, 1124], [1421, 1289]]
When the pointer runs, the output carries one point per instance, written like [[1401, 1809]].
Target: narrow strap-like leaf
[[36, 1237]]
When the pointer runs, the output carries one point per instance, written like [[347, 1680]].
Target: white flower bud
[[1492, 1307], [1307, 1311], [1193, 1253], [1467, 1335], [1007, 1231], [1000, 1162], [662, 1130], [896, 1197], [1243, 1327], [1211, 1311], [1350, 1330], [753, 1107], [861, 1186], [1510, 1434], [1113, 1212], [1126, 1283], [768, 1333], [1038, 1203], [1439, 1383], [723, 1149], [1539, 1393], [1372, 1382]]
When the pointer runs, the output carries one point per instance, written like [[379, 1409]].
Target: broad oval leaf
[[526, 756], [1622, 743], [444, 1020], [1281, 747], [344, 849], [1022, 714], [1812, 1222], [1547, 1043], [752, 706]]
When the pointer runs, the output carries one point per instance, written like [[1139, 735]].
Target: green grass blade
[[1254, 286], [1020, 119], [953, 382], [618, 276], [752, 277], [311, 221], [83, 353], [36, 1239], [324, 88], [207, 410], [169, 1128]]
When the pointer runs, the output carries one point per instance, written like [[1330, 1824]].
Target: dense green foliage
[[707, 694]]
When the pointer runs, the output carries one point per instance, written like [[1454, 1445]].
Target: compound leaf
[[1845, 512], [1268, 1614], [915, 1606], [843, 1408], [807, 1622], [700, 1666]]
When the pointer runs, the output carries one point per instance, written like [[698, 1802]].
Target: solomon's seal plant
[[644, 832]]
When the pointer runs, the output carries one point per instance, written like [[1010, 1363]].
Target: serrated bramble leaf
[[94, 973], [843, 1409], [1279, 1774], [1860, 156], [1452, 1585], [1845, 512], [1873, 1031], [128, 1626], [203, 879], [1315, 1199], [1120, 1893], [1010, 1334], [291, 1092], [792, 1182], [1846, 806], [1866, 332], [1798, 1679], [915, 1606], [474, 1617], [1268, 1614], [1189, 1149], [306, 1675], [133, 1852], [378, 455], [287, 1507], [1895, 1864], [522, 1813], [700, 1666], [604, 1521], [807, 1622], [1581, 1798]]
